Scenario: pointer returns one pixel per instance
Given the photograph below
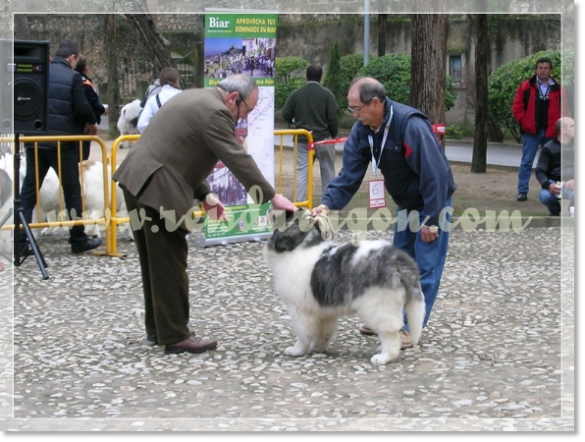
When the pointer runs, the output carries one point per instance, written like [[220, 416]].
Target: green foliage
[[333, 77], [289, 76], [283, 90], [349, 67], [504, 82], [450, 94], [290, 67], [453, 133], [393, 71]]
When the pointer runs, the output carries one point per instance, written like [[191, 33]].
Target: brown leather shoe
[[192, 344], [405, 341]]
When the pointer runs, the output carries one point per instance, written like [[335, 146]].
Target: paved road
[[498, 154]]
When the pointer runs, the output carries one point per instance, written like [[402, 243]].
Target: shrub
[[290, 67], [453, 133], [350, 66], [505, 80], [332, 79], [393, 71], [290, 75], [283, 90]]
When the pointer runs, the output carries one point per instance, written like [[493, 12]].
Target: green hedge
[[392, 70]]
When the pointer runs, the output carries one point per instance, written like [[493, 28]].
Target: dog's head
[[297, 229]]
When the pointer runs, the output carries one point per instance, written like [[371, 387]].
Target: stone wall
[[309, 37]]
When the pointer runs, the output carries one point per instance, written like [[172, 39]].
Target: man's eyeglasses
[[358, 108], [245, 104]]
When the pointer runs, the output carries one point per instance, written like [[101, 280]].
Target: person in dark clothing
[[555, 170], [92, 98], [398, 141], [314, 108], [67, 107], [536, 108]]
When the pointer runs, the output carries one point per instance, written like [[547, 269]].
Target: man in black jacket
[[68, 111], [555, 177]]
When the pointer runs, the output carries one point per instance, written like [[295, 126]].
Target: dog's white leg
[[327, 335], [305, 328], [300, 348], [390, 348]]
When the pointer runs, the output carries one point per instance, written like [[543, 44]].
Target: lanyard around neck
[[544, 95], [371, 140]]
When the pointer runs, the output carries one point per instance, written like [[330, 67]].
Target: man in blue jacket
[[69, 113], [399, 143]]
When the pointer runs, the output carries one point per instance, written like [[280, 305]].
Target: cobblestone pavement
[[497, 355]]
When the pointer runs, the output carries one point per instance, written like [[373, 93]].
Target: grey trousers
[[326, 156]]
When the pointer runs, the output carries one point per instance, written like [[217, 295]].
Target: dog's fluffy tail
[[415, 312]]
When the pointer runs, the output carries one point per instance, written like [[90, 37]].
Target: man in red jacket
[[536, 107]]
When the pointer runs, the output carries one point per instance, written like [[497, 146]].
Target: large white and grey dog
[[320, 281]]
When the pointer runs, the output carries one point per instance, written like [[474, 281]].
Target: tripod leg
[[33, 244]]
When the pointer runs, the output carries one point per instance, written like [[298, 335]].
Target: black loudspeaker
[[6, 70], [30, 86]]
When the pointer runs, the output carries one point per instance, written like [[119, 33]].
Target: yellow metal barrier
[[111, 238], [296, 133], [35, 140], [111, 219]]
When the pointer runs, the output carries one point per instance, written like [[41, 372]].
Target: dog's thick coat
[[320, 281], [127, 122]]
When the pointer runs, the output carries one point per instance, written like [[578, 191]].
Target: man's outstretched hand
[[214, 208], [281, 202]]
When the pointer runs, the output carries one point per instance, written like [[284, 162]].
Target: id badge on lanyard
[[376, 194]]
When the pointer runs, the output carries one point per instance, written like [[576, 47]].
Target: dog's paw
[[293, 351], [380, 359], [46, 231]]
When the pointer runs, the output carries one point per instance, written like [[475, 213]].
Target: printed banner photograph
[[240, 43]]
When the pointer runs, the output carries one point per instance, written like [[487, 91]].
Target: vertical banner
[[240, 42]]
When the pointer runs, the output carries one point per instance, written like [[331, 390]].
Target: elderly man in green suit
[[162, 174]]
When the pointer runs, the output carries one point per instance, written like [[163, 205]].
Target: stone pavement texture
[[498, 354]]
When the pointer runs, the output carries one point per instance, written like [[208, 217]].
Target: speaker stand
[[20, 220]]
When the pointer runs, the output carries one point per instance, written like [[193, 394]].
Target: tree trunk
[[382, 24], [495, 133], [199, 77], [152, 40], [113, 91], [428, 60], [480, 137]]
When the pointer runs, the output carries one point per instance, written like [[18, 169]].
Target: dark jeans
[[86, 146], [69, 181]]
